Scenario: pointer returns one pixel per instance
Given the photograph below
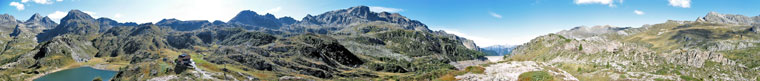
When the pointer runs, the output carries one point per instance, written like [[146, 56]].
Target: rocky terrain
[[346, 44], [714, 47]]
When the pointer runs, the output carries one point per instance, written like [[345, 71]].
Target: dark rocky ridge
[[361, 14], [284, 49], [251, 18]]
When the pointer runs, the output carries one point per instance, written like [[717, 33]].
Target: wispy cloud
[[610, 3], [57, 15], [91, 14], [18, 6], [274, 10], [638, 12], [117, 15], [494, 15], [384, 9], [680, 3], [40, 1]]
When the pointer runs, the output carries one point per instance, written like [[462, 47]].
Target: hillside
[[714, 47], [346, 44]]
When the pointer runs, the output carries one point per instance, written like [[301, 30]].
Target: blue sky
[[487, 22]]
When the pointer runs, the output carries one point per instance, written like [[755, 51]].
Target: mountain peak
[[713, 13], [269, 15], [359, 9], [248, 17], [5, 18], [247, 12], [715, 17], [39, 19], [35, 17], [76, 14]]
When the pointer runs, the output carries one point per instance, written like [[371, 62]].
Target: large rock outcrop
[[715, 17]]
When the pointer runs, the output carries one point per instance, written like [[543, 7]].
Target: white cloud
[[117, 15], [274, 10], [384, 9], [91, 14], [57, 15], [18, 6], [495, 15], [637, 12], [610, 3], [680, 3], [42, 1]]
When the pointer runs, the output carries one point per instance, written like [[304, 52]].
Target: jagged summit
[[359, 10], [41, 20], [35, 17], [76, 14], [7, 23], [248, 17], [5, 18], [361, 14], [715, 17]]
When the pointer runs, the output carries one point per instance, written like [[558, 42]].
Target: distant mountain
[[715, 17], [183, 25], [497, 50], [106, 23], [33, 26], [361, 14], [7, 23], [44, 21], [251, 18], [592, 33]]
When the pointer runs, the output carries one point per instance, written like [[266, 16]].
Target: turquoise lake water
[[78, 74]]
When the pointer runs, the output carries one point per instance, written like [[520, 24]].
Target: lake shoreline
[[98, 67]]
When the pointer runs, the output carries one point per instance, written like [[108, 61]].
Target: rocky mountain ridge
[[374, 48], [715, 47], [715, 17]]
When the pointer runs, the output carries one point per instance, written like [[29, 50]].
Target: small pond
[[78, 74]]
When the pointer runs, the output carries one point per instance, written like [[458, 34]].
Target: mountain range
[[497, 50], [358, 44], [345, 44]]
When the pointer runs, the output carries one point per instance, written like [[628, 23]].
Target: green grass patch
[[475, 69], [536, 76], [689, 78]]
